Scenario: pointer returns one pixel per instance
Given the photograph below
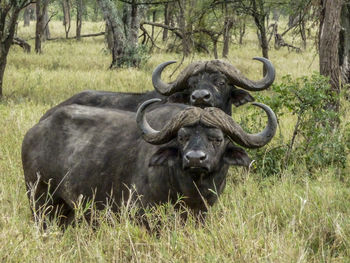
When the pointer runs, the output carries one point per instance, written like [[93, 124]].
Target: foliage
[[315, 140], [134, 56]]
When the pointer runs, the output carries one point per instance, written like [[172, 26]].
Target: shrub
[[134, 57], [317, 140]]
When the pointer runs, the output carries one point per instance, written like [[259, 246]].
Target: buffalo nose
[[195, 157], [200, 96]]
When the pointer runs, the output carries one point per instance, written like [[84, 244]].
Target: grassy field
[[292, 217]]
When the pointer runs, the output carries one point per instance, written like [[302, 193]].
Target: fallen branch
[[175, 30], [87, 35], [279, 42], [22, 43]]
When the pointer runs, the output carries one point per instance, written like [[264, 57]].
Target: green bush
[[134, 57], [317, 140]]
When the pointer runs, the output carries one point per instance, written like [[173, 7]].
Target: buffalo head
[[212, 84], [203, 138]]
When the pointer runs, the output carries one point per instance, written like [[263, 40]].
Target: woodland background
[[291, 206]]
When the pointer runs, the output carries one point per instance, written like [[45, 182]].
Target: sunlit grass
[[287, 218]]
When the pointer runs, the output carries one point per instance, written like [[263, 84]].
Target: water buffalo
[[202, 84], [100, 153]]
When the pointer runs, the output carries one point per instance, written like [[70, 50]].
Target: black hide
[[99, 154]]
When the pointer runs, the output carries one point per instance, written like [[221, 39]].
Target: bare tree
[[9, 12]]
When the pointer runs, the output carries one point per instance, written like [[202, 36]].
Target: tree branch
[[145, 32], [175, 30], [22, 43], [87, 35]]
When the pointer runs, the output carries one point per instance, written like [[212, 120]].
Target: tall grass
[[288, 218]]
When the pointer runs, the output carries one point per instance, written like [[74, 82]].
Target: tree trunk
[[32, 12], [3, 62], [242, 26], [166, 21], [154, 13], [134, 26], [328, 45], [126, 19], [227, 32], [215, 48], [276, 14], [344, 43], [262, 38], [46, 34], [291, 20], [114, 24], [8, 20], [66, 16], [264, 42], [79, 18], [186, 41], [38, 28], [302, 30], [260, 16], [26, 16], [41, 6]]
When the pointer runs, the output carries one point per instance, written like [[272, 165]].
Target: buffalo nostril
[[207, 97], [203, 157]]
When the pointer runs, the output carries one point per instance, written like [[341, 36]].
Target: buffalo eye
[[183, 138], [220, 82], [215, 140]]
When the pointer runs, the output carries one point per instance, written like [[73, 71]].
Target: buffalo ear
[[162, 156], [240, 97], [179, 97], [236, 156]]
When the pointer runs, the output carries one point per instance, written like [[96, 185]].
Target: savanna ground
[[288, 217]]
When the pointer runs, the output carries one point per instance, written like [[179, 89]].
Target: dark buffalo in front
[[102, 154], [203, 84]]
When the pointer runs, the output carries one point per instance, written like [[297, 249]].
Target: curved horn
[[240, 80], [141, 120], [237, 134], [158, 84], [180, 82], [187, 116], [268, 78], [264, 137]]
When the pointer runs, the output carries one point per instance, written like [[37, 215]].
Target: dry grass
[[292, 218]]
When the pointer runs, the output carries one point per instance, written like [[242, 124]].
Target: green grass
[[288, 218]]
